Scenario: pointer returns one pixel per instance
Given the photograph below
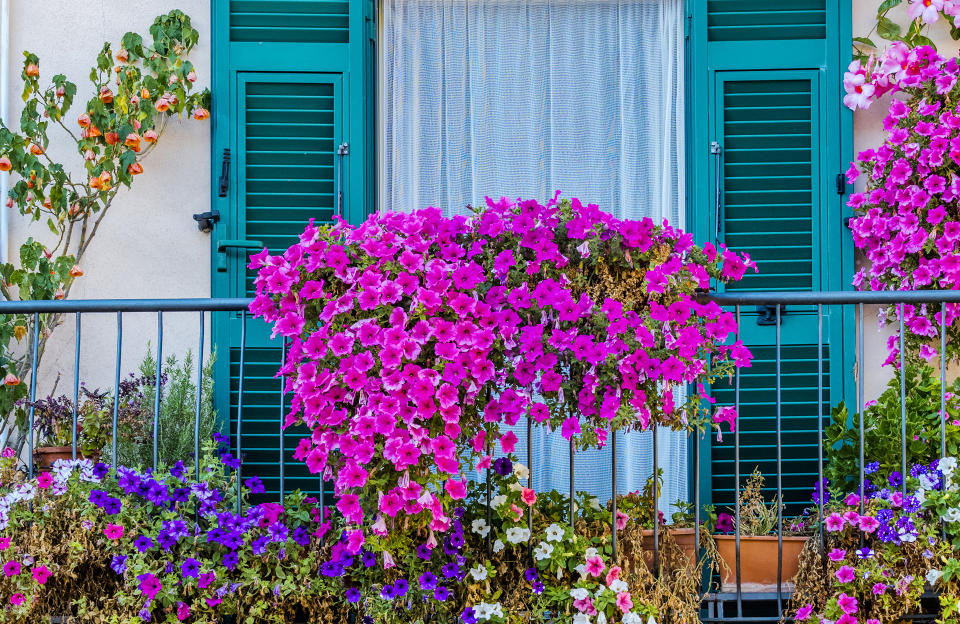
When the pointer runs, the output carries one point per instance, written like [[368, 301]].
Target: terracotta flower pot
[[758, 562], [46, 455], [686, 538]]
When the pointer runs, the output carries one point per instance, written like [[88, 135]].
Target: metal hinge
[[342, 150]]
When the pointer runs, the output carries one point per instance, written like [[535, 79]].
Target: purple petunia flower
[[352, 594]]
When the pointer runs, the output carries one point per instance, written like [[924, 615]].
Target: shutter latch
[[841, 182], [767, 314]]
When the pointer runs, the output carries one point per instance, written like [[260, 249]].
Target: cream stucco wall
[[149, 246], [868, 132]]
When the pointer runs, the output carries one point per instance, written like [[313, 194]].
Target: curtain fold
[[520, 98]]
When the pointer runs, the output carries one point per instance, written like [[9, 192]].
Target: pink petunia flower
[[845, 574], [595, 566]]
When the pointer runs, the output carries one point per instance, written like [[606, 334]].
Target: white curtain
[[520, 98]]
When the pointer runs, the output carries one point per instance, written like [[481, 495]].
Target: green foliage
[[882, 428], [178, 403], [136, 92]]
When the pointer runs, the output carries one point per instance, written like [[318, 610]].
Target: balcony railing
[[818, 305]]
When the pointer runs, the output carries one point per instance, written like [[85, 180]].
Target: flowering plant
[[138, 89], [882, 430], [880, 560], [414, 338], [907, 221], [142, 546], [922, 15]]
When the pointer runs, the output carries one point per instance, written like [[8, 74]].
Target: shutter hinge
[[342, 150], [688, 26]]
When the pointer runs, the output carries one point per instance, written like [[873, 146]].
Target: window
[[522, 98]]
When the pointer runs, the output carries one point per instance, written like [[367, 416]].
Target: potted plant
[[758, 542], [638, 506], [53, 426]]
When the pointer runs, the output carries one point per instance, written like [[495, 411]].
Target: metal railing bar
[[656, 506], [779, 473], [530, 472], [116, 390], [243, 358], [860, 402], [833, 297], [736, 471], [820, 486], [572, 485], [65, 306], [76, 388], [903, 412], [613, 488], [196, 417], [33, 388], [157, 389], [283, 391]]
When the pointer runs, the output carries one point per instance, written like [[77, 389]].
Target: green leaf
[[886, 5], [921, 40], [888, 29], [865, 41]]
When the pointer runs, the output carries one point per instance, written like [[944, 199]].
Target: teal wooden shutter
[[770, 73], [293, 105]]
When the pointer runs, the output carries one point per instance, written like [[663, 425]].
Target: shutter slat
[[289, 175], [762, 20], [290, 21], [757, 424]]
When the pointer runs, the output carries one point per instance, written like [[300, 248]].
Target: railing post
[[116, 390], [33, 389], [196, 417], [76, 388], [157, 389], [243, 358]]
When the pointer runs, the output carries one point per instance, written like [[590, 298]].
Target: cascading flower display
[[416, 339], [907, 220]]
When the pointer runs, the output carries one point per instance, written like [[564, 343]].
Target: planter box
[[758, 562]]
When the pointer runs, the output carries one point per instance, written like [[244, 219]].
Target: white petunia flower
[[618, 586], [498, 500], [952, 515], [516, 535], [515, 487], [498, 546], [521, 471], [579, 593], [554, 532], [933, 576], [591, 552], [542, 551], [601, 618], [479, 573], [480, 527], [581, 618], [631, 618], [595, 504], [582, 569]]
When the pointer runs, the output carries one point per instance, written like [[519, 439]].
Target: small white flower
[[480, 527], [479, 573], [542, 551], [595, 504], [516, 535], [496, 610], [554, 532], [581, 618], [926, 482], [601, 618], [582, 569], [952, 515], [559, 573], [591, 552], [515, 486], [584, 249], [933, 576], [498, 546], [632, 618], [498, 500], [618, 586], [947, 465], [521, 471], [650, 620], [579, 593]]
